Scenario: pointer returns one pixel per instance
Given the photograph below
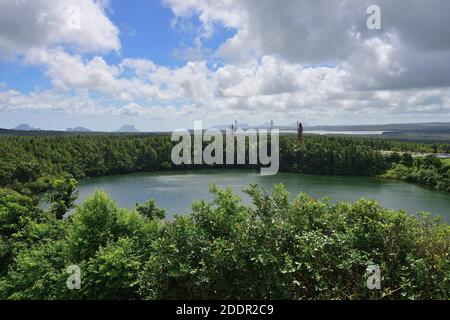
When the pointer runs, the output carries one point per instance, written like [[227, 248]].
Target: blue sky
[[162, 65], [145, 32]]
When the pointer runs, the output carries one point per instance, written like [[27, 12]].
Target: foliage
[[62, 196], [31, 163], [150, 210], [275, 248], [428, 171]]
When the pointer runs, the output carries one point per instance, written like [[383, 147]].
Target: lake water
[[175, 191], [325, 132]]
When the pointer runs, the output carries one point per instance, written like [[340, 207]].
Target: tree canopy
[[272, 249]]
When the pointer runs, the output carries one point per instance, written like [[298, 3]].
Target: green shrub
[[275, 248]]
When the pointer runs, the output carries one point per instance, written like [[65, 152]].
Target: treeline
[[31, 163], [429, 171], [273, 249]]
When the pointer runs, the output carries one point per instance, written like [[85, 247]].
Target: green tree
[[150, 210], [62, 196]]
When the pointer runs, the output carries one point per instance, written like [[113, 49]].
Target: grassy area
[[446, 161]]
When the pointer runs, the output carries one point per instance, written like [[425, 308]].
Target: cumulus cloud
[[156, 112], [41, 24], [82, 104], [128, 80], [14, 101], [411, 50], [310, 59]]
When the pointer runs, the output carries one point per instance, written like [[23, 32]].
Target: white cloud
[[302, 59], [157, 112], [131, 79], [14, 101], [41, 24], [411, 50]]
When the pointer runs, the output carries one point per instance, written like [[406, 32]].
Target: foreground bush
[[273, 249]]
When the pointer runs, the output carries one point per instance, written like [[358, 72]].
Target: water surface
[[175, 191]]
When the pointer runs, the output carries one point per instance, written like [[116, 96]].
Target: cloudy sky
[[163, 64]]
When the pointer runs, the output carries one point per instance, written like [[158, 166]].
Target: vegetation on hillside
[[31, 163], [428, 171], [273, 249]]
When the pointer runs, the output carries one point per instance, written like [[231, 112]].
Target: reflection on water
[[175, 191]]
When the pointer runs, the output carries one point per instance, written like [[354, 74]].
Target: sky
[[161, 65]]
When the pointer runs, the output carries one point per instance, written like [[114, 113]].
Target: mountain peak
[[127, 128], [78, 129], [25, 127]]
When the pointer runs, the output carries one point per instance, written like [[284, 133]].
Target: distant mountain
[[242, 126], [127, 128], [78, 129], [25, 127], [221, 127], [245, 126], [275, 126]]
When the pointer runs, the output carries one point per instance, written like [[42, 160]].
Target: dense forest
[[31, 163], [274, 249]]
